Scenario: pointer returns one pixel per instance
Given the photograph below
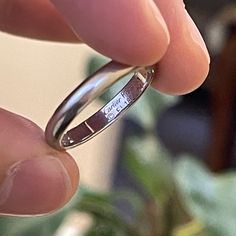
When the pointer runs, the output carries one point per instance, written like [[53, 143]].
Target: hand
[[36, 179]]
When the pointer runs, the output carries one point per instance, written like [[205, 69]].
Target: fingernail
[[35, 186], [197, 37]]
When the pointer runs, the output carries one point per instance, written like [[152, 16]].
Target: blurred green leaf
[[209, 198], [150, 166], [102, 228], [193, 228], [107, 217], [95, 63], [145, 112], [36, 226]]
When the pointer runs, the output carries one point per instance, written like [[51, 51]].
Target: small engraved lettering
[[114, 107]]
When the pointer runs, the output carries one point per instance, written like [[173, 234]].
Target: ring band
[[56, 134]]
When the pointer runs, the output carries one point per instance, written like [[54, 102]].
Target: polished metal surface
[[85, 93]]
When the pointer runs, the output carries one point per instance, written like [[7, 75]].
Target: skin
[[137, 32]]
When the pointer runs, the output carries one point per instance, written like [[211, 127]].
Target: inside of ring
[[110, 112]]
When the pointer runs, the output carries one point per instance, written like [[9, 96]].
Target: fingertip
[[131, 35], [185, 65], [37, 186], [34, 178], [72, 170], [178, 75]]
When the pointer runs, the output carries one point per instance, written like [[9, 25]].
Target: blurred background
[[170, 172]]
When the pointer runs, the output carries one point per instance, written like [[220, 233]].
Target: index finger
[[34, 19]]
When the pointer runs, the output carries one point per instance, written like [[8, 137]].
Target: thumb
[[34, 178], [132, 32]]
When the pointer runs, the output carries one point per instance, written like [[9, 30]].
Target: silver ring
[[56, 134]]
